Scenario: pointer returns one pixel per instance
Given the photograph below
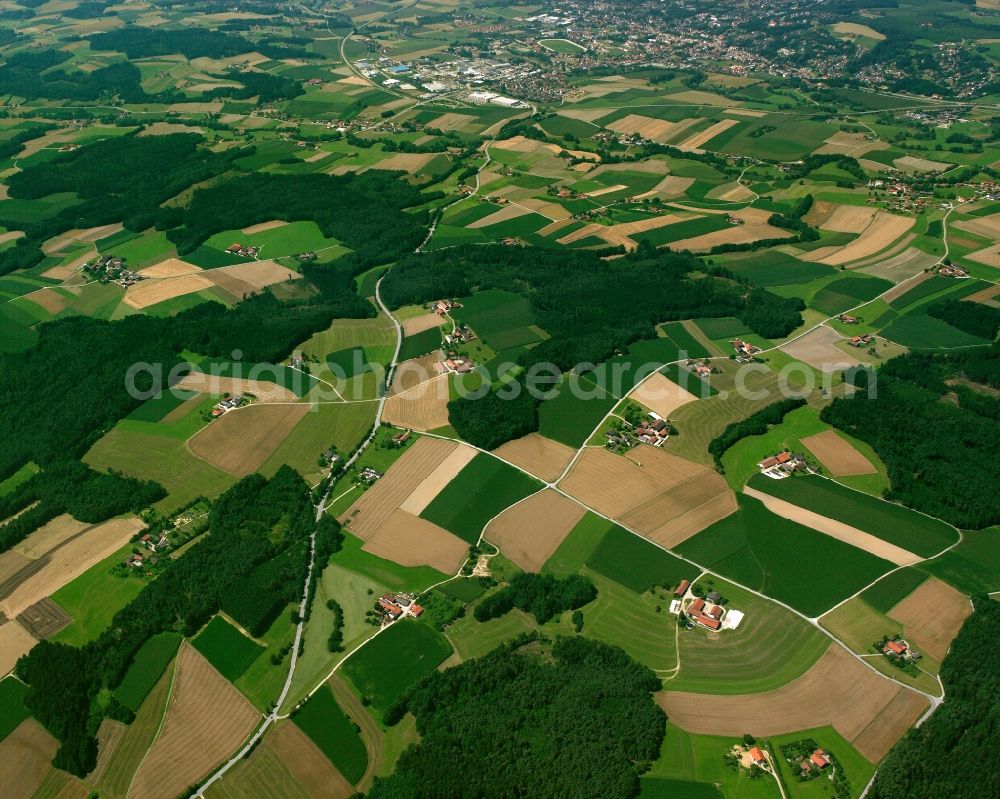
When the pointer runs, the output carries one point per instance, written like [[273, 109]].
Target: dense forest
[[544, 597], [258, 537], [938, 451], [190, 42], [949, 754], [573, 720], [494, 418], [973, 318], [591, 308], [756, 424], [33, 74]]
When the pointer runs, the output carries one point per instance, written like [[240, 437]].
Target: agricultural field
[[226, 648], [326, 724]]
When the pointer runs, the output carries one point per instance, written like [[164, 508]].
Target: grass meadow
[[226, 648], [326, 724], [147, 667]]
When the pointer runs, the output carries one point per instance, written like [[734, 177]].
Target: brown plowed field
[[932, 615], [51, 535], [377, 504], [431, 485], [44, 619], [207, 719], [424, 407], [837, 454], [308, 764], [241, 440], [211, 384], [25, 758], [661, 395], [837, 690], [410, 374], [530, 531], [408, 540], [418, 324], [682, 511], [540, 456]]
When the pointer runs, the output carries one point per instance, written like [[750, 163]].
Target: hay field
[[49, 536], [883, 230], [737, 234], [837, 454], [424, 407], [432, 484], [151, 292], [835, 529], [408, 540], [537, 455], [25, 758], [932, 615], [261, 227], [868, 710], [673, 517], [70, 561], [171, 267], [661, 395], [13, 567], [906, 264], [377, 504], [206, 720], [241, 440], [418, 324], [410, 374], [705, 136], [14, 642], [410, 163], [911, 164], [530, 531], [849, 219], [216, 385], [819, 349]]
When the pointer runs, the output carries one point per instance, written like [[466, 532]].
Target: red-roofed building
[[819, 759], [682, 587], [696, 606], [757, 756], [392, 609], [415, 609], [708, 622], [897, 648], [716, 612]]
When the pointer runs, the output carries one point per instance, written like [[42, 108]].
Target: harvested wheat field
[[410, 374], [405, 162], [933, 615], [69, 561], [987, 296], [988, 255], [661, 395], [883, 230], [109, 737], [151, 292], [206, 720], [837, 454], [530, 531], [91, 234], [731, 193], [684, 510], [408, 540], [452, 121], [901, 266], [900, 289], [986, 226], [264, 390], [737, 234], [819, 349], [375, 506], [307, 763], [605, 190], [854, 29], [25, 758], [609, 483], [553, 211], [171, 267], [241, 440], [418, 324], [14, 642], [537, 455], [14, 568], [854, 144], [255, 274], [703, 137], [51, 535], [910, 164], [668, 188], [44, 619], [260, 227], [621, 233], [507, 212], [446, 471], [424, 407], [849, 219], [835, 529], [837, 690], [658, 130]]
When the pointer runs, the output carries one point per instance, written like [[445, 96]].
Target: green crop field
[[974, 565], [771, 647], [12, 709], [576, 548], [893, 588], [226, 648], [502, 319], [915, 532], [478, 493], [563, 46], [349, 362], [22, 475], [724, 327], [920, 331], [740, 461], [382, 571], [848, 292], [803, 568], [153, 410], [415, 647], [147, 667], [326, 724], [93, 598], [637, 564], [420, 344], [653, 788], [570, 417], [294, 380]]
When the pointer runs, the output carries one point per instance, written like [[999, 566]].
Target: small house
[[757, 756], [819, 759], [682, 588]]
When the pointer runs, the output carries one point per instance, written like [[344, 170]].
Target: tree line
[[756, 424], [543, 596]]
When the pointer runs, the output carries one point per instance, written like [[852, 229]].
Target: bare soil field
[[933, 615], [987, 296], [537, 455], [52, 301], [705, 136], [44, 619], [668, 188], [988, 255], [405, 162], [256, 274], [658, 130], [70, 561], [241, 440], [410, 374], [530, 531], [837, 454], [375, 506], [661, 395], [820, 211], [737, 234], [431, 485], [507, 212], [835, 529], [883, 230], [25, 758], [206, 720], [14, 642], [418, 324], [837, 690], [49, 536], [408, 540], [688, 508], [906, 264], [985, 226], [151, 292], [818, 349], [264, 390], [172, 267], [849, 219], [424, 407], [621, 233], [909, 163], [901, 289]]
